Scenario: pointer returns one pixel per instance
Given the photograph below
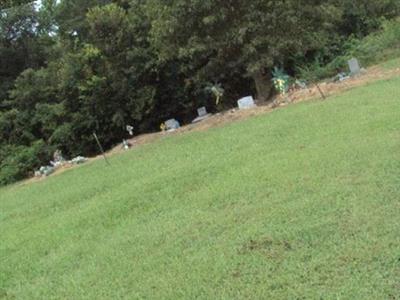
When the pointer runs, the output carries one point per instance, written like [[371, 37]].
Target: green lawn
[[301, 203]]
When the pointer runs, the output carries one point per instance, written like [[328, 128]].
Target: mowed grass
[[301, 203]]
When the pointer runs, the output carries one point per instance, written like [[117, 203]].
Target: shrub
[[18, 162], [374, 48]]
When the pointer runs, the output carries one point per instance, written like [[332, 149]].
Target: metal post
[[320, 91], [101, 148]]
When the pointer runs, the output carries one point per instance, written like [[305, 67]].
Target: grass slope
[[302, 203]]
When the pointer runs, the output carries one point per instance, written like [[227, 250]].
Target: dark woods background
[[72, 67]]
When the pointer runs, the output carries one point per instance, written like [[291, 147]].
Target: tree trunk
[[263, 84]]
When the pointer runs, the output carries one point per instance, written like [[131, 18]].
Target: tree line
[[69, 68]]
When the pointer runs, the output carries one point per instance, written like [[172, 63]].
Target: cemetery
[[221, 199], [199, 149], [300, 92], [246, 107]]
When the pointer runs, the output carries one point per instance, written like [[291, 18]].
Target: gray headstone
[[246, 102], [354, 66], [78, 160], [202, 111], [172, 124], [202, 115], [46, 171]]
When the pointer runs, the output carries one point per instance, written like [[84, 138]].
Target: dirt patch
[[328, 88], [272, 249]]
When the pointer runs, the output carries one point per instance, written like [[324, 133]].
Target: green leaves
[[12, 3], [253, 36]]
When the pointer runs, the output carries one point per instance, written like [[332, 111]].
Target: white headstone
[[202, 111], [246, 102], [354, 66], [172, 124]]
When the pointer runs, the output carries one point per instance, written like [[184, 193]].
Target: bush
[[379, 46], [374, 48], [18, 162]]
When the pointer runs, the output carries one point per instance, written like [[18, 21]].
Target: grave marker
[[172, 124], [246, 102], [354, 66], [202, 115], [202, 112]]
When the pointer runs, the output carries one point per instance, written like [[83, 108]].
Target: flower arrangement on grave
[[125, 145], [130, 128], [217, 91], [280, 80], [163, 127]]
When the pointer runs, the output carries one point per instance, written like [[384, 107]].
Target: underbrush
[[376, 48]]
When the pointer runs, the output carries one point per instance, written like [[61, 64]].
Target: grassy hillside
[[302, 203]]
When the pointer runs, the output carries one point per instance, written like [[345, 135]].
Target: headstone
[[202, 115], [202, 112], [172, 124], [78, 160], [354, 66], [246, 102], [46, 171]]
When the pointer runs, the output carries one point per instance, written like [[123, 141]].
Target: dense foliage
[[73, 67]]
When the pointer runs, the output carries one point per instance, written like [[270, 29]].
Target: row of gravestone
[[202, 114], [172, 124], [248, 102], [354, 67]]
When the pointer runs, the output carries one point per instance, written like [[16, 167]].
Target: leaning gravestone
[[246, 102], [202, 112], [354, 66], [172, 125], [202, 115]]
